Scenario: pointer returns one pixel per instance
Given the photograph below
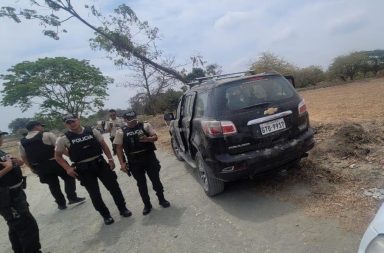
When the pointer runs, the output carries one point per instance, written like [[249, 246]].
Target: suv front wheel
[[211, 185]]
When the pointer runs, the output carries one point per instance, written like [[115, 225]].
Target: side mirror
[[291, 80], [169, 116]]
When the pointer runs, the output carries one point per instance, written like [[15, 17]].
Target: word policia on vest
[[138, 132], [82, 139]]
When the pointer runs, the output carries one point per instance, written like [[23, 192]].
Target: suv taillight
[[215, 128], [302, 107]]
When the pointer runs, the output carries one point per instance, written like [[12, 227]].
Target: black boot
[[108, 220], [147, 209], [125, 212], [162, 201]]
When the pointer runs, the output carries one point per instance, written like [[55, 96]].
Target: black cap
[[31, 124], [69, 117], [2, 133], [129, 115]]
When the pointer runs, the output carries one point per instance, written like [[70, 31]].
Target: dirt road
[[310, 210], [241, 220]]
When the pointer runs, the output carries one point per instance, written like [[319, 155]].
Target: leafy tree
[[59, 85], [168, 101], [196, 73], [309, 76], [165, 101], [18, 123], [118, 29], [271, 62], [348, 66]]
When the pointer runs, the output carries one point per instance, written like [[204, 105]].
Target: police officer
[[137, 140], [113, 124], [23, 230], [85, 148], [37, 149]]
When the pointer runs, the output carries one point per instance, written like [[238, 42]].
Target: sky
[[230, 33]]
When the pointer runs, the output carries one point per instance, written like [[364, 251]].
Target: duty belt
[[16, 185]]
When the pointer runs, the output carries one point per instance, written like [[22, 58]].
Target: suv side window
[[179, 108], [201, 104], [187, 111]]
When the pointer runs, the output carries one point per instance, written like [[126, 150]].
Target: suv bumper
[[260, 161]]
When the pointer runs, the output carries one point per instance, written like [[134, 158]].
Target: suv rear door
[[263, 109]]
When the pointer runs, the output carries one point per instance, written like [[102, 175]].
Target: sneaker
[[147, 209], [62, 207], [108, 220], [126, 213], [76, 200], [164, 203]]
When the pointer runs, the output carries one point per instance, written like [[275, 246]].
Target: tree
[[213, 70], [58, 85], [18, 123], [348, 66], [309, 76], [199, 70], [115, 28], [196, 73], [271, 62]]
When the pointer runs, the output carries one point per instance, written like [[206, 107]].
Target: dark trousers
[[23, 230], [99, 169], [112, 138], [49, 173], [142, 164]]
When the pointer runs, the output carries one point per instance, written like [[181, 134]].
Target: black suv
[[234, 127]]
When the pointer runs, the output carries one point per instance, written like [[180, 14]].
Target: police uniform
[[23, 230], [112, 126], [85, 151], [38, 148], [141, 159]]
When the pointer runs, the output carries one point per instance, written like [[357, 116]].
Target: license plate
[[272, 126]]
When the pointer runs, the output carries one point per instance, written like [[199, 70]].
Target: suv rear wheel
[[212, 186], [176, 150]]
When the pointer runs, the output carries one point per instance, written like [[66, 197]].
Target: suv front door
[[186, 118]]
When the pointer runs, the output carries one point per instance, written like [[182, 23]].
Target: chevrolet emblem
[[270, 111]]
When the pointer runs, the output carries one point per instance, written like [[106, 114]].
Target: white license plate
[[272, 126]]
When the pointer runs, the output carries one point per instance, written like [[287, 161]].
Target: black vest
[[83, 146], [13, 177], [36, 151], [131, 141]]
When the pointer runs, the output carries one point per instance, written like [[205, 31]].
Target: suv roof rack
[[199, 80]]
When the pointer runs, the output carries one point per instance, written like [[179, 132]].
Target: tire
[[211, 185], [176, 149]]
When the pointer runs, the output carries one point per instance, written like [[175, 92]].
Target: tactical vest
[[13, 177], [83, 146], [131, 143], [36, 151]]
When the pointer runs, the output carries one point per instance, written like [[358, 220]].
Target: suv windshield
[[253, 92]]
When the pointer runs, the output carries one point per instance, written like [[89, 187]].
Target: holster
[[24, 184]]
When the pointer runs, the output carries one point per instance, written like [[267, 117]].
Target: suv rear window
[[251, 92]]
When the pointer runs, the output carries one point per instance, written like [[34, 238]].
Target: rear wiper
[[255, 105]]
